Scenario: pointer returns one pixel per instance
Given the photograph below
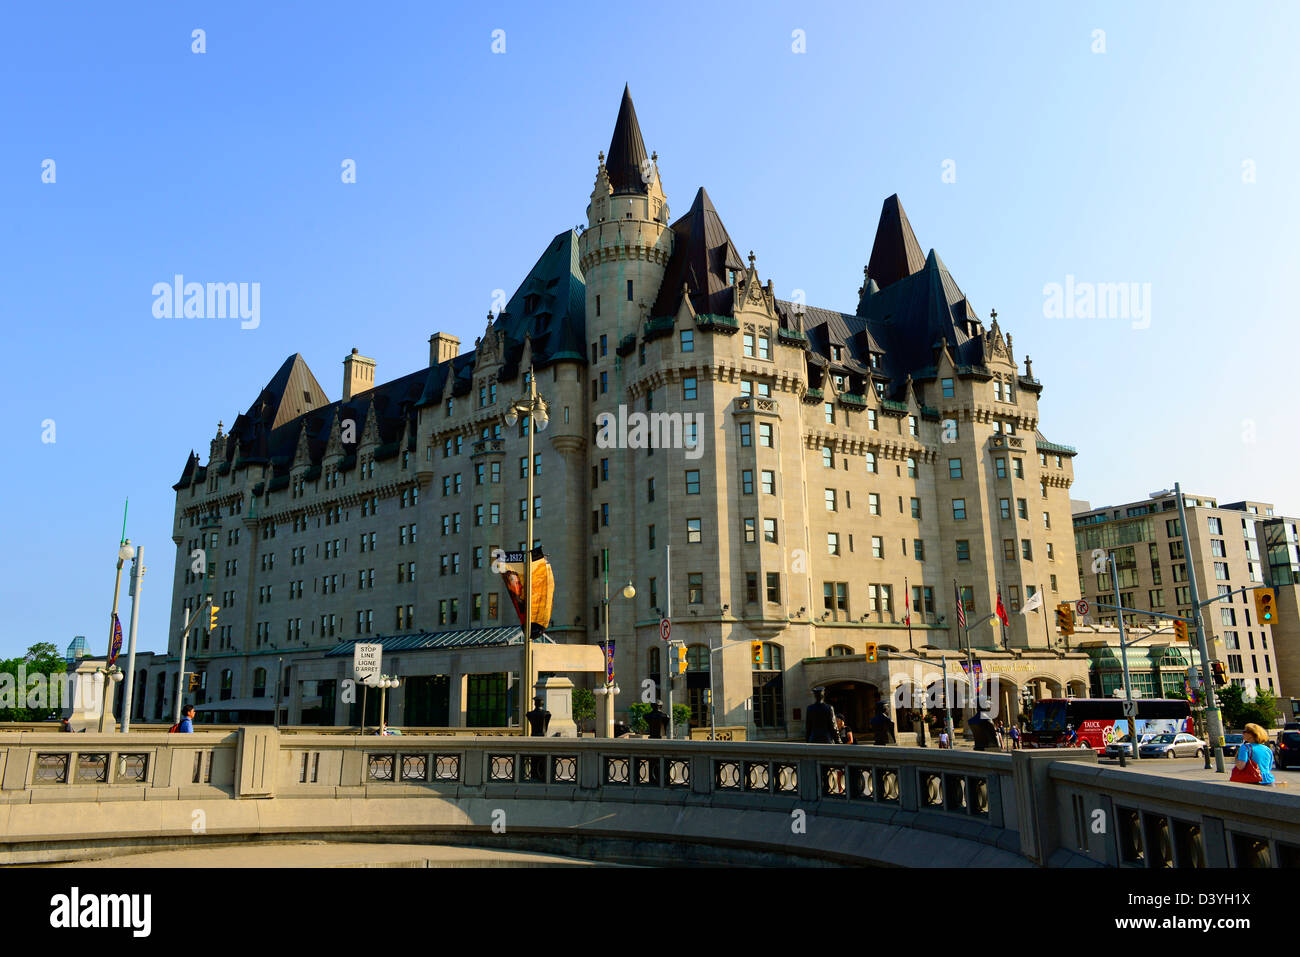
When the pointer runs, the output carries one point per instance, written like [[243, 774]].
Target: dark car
[[1288, 749]]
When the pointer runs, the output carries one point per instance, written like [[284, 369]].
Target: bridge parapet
[[62, 796]]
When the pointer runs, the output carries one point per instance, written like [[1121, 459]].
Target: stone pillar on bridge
[[558, 692]]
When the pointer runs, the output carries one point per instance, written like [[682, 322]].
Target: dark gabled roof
[[292, 391], [187, 474], [549, 308], [895, 254], [702, 254], [627, 154]]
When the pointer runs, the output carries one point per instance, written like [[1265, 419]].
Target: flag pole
[[1042, 607], [907, 597]]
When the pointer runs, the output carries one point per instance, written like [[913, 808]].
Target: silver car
[[1180, 745]]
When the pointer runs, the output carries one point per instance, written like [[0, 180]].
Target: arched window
[[697, 657], [836, 651], [259, 683]]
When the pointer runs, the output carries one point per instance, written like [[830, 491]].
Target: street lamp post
[[534, 407], [110, 676], [137, 580], [609, 688], [125, 552]]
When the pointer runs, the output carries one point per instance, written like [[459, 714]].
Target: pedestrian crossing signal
[[871, 652], [1265, 602], [1180, 631]]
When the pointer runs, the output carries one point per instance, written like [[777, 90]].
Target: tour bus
[[1099, 721]]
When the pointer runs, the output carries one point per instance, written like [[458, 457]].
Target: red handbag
[[1250, 774]]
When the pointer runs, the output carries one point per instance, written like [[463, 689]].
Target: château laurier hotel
[[824, 470]]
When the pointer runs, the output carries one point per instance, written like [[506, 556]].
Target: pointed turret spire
[[895, 253], [627, 156]]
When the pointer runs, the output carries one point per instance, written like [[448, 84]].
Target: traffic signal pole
[[1213, 720], [1123, 651]]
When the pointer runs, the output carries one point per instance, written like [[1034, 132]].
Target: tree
[[1232, 705], [584, 706], [636, 713], [38, 672]]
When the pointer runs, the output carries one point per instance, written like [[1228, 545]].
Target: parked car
[[1122, 744], [1288, 749], [1181, 745]]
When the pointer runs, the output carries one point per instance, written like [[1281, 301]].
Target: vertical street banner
[[510, 565], [115, 646], [609, 661]]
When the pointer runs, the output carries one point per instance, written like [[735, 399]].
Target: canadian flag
[[1002, 611]]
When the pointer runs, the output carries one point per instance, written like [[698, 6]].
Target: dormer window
[[837, 353], [531, 302], [875, 360]]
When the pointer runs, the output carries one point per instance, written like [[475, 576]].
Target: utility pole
[[180, 675], [137, 581], [1123, 651], [1213, 720]]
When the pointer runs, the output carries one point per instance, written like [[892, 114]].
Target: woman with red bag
[[1254, 758]]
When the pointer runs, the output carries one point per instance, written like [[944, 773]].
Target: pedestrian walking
[[943, 740], [186, 724], [844, 731], [1015, 738]]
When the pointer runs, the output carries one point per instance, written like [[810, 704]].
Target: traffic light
[[212, 617], [871, 652], [1220, 676], [194, 681], [1180, 631], [1065, 618], [756, 652], [681, 659], [1265, 606]]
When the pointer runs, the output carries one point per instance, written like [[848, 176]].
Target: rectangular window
[[832, 543], [1022, 508], [948, 391], [873, 503], [963, 550], [774, 587], [916, 508], [689, 388], [959, 508], [746, 437], [829, 410], [695, 588], [1000, 468], [830, 499], [694, 534], [769, 482], [749, 530], [769, 530], [751, 587], [746, 483], [748, 342], [687, 340], [954, 468], [692, 482], [877, 547], [765, 434], [918, 549]]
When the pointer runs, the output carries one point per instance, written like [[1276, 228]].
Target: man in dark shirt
[[658, 721], [819, 722]]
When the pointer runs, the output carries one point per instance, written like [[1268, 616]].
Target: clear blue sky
[[1122, 166]]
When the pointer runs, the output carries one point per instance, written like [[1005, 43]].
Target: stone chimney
[[443, 347], [358, 375]]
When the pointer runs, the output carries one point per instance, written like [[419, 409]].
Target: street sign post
[[665, 629], [1130, 709], [1081, 606]]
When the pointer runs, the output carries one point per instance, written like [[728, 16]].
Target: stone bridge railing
[[66, 796]]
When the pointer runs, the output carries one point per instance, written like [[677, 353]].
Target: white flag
[[1035, 602]]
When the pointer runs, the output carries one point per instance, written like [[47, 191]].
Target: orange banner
[[510, 565]]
